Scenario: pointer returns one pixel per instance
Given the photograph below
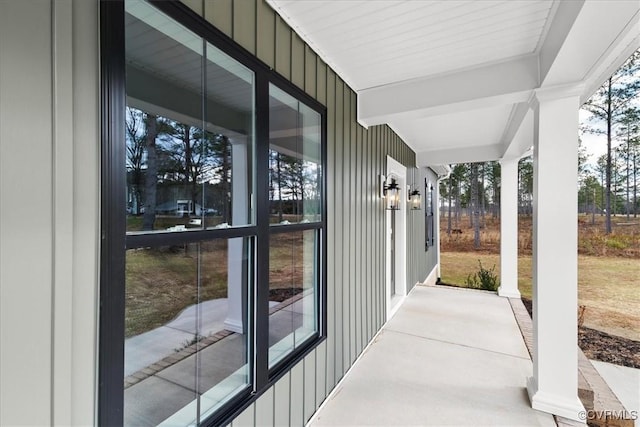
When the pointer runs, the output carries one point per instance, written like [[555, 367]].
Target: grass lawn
[[608, 287], [162, 282]]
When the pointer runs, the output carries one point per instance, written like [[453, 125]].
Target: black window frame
[[115, 241]]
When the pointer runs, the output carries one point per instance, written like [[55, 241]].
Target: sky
[[596, 145]]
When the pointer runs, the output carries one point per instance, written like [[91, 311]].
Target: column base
[[233, 326], [508, 293], [557, 405]]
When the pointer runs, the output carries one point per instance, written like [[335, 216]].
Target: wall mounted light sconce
[[415, 199], [390, 192]]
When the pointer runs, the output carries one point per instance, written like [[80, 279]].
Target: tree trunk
[[602, 187], [496, 197], [608, 172], [151, 178], [188, 164], [226, 184], [484, 223], [593, 208], [457, 210], [474, 205], [635, 184], [450, 200], [628, 155], [300, 200], [279, 179]]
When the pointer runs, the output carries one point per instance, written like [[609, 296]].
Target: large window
[[213, 177]]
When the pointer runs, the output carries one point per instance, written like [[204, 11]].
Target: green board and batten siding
[[356, 245]]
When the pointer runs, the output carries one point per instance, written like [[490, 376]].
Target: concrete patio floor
[[449, 357], [214, 372]]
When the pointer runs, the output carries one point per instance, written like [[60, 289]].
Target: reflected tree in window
[[136, 134], [168, 161], [141, 134], [294, 190]]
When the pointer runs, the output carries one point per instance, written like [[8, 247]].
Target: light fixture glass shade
[[415, 200], [392, 196]]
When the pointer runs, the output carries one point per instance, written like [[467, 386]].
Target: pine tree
[[607, 106]]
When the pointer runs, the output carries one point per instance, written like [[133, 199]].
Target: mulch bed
[[598, 345], [282, 294]]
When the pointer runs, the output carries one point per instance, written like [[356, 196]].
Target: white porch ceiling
[[374, 43], [453, 78]]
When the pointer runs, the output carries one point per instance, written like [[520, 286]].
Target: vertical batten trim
[[62, 220], [346, 206], [233, 23], [255, 42], [355, 224], [362, 227], [339, 349]]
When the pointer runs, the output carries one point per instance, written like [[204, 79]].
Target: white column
[[509, 229], [309, 257], [236, 251], [554, 385]]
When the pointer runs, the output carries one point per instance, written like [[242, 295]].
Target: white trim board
[[399, 172]]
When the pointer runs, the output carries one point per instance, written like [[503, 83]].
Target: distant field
[[608, 277], [624, 241]]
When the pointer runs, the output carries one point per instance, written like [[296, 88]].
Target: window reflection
[[190, 147], [295, 174], [189, 136], [293, 291], [189, 128], [186, 351]]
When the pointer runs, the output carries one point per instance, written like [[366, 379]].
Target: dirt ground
[[601, 346]]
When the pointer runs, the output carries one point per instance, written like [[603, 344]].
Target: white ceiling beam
[[486, 86], [627, 42], [518, 114], [583, 37], [565, 16], [459, 155], [580, 46]]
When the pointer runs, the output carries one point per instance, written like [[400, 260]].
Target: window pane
[[160, 326], [293, 291], [295, 172], [230, 120], [189, 128], [223, 360], [187, 330]]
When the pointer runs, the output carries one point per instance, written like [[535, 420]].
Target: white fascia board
[[495, 84], [459, 155], [600, 28], [442, 171]]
